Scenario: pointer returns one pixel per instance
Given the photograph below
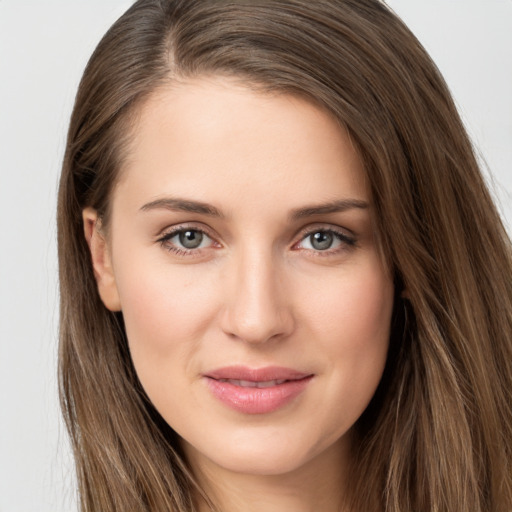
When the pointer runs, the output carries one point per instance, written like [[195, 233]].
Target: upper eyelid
[[173, 230], [300, 235], [166, 235], [314, 228], [344, 235]]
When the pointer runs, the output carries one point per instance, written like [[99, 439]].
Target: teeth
[[245, 383], [251, 384]]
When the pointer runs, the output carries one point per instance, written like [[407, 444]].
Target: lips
[[256, 391], [251, 384]]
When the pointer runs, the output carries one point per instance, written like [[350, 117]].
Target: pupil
[[191, 239], [321, 240]]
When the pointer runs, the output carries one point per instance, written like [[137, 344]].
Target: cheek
[[353, 311], [350, 322], [166, 313]]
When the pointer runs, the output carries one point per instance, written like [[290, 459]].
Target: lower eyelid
[[341, 237], [167, 235], [345, 241], [165, 241]]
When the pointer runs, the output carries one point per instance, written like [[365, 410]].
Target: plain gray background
[[44, 46]]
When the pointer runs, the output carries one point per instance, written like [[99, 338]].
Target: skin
[[257, 292]]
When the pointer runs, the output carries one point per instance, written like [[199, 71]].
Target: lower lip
[[257, 400]]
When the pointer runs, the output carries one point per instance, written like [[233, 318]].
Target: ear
[[101, 260]]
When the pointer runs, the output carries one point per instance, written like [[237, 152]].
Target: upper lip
[[265, 374]]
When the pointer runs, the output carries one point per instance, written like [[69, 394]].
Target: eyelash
[[165, 240], [346, 242]]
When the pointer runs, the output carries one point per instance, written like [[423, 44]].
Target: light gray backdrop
[[44, 46]]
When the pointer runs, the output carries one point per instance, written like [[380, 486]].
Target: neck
[[317, 486]]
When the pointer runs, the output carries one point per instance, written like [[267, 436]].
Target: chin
[[263, 452], [261, 462]]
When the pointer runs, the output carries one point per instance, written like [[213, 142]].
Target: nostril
[[257, 326]]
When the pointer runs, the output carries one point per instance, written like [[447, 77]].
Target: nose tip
[[258, 309], [258, 327]]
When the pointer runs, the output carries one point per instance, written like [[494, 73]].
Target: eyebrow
[[332, 207], [183, 205], [187, 205]]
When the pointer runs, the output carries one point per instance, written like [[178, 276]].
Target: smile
[[251, 384], [260, 391]]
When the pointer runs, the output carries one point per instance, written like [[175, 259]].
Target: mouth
[[256, 391], [252, 384]]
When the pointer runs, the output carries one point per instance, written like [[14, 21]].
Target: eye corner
[[330, 240], [173, 240]]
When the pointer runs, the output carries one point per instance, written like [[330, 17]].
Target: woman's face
[[242, 254]]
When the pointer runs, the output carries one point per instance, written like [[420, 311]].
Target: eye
[[185, 240], [325, 240], [191, 239], [321, 240]]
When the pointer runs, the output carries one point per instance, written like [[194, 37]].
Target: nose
[[257, 306]]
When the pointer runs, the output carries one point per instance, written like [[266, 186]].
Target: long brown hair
[[438, 434]]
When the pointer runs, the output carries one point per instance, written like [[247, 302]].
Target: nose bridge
[[257, 306]]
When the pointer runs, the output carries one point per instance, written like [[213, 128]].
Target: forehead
[[213, 139]]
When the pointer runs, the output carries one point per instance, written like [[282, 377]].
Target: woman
[[284, 284]]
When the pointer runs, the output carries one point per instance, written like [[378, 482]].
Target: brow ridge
[[338, 206], [187, 205], [183, 205]]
